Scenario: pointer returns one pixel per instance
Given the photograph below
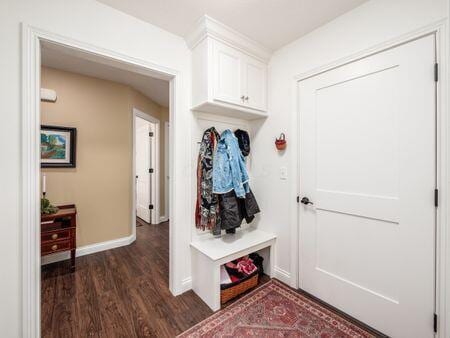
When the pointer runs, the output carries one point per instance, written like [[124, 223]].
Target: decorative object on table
[[58, 232], [276, 310], [47, 208], [58, 147], [280, 142]]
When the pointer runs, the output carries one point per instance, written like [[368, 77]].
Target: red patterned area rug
[[275, 310]]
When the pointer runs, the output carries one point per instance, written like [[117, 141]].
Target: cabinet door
[[227, 74], [255, 83]]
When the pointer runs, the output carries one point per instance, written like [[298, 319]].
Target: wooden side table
[[58, 232]]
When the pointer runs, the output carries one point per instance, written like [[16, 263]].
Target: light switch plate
[[283, 173]]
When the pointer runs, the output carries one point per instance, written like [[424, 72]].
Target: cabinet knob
[[243, 97], [246, 98], [54, 247], [54, 236]]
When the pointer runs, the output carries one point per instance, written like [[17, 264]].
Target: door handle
[[306, 201]]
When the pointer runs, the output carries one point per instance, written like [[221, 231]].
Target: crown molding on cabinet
[[209, 27]]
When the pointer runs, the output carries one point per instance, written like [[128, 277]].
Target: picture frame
[[58, 147]]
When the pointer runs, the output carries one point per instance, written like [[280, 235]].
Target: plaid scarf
[[207, 206]]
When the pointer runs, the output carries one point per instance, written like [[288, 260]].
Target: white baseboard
[[282, 275], [89, 249], [163, 219], [186, 284]]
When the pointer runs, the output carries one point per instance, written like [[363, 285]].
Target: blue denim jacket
[[229, 170]]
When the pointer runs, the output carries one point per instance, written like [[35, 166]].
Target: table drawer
[[56, 246], [55, 235]]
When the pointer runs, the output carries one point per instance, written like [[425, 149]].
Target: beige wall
[[101, 183]]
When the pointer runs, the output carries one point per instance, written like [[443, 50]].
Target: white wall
[[97, 24], [366, 26], [90, 22]]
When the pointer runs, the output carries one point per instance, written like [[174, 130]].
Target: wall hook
[[280, 142]]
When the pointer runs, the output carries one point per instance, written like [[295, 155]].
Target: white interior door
[[143, 164], [367, 162]]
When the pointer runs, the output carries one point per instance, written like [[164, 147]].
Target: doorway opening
[[151, 167], [90, 141]]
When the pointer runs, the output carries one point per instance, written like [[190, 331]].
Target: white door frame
[[155, 161], [32, 38], [166, 171], [440, 29]]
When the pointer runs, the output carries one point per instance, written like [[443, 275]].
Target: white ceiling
[[272, 23], [55, 56]]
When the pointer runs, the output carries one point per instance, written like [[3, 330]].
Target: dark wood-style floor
[[123, 293], [118, 293]]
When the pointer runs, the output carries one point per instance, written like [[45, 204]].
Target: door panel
[[143, 162], [367, 162]]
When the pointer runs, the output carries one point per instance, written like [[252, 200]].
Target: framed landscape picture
[[58, 147]]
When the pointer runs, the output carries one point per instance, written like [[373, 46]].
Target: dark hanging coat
[[234, 210]]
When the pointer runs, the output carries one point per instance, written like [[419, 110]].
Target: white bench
[[209, 254]]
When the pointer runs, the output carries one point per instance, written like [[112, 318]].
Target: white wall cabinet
[[254, 77], [238, 78], [229, 76]]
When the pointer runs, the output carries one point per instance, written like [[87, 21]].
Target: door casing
[[32, 38]]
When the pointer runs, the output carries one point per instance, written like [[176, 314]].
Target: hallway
[[118, 293]]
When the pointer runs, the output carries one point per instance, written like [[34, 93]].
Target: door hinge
[[151, 171], [435, 323], [436, 198], [150, 206], [151, 134], [298, 199], [436, 72]]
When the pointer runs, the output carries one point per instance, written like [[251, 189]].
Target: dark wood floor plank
[[119, 293], [89, 320]]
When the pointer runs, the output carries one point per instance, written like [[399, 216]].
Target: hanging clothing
[[234, 210], [207, 206], [243, 141], [229, 170]]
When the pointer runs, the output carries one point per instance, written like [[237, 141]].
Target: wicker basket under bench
[[232, 290]]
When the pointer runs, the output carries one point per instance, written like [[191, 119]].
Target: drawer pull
[[54, 236], [54, 247]]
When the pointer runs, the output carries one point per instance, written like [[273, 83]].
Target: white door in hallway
[[143, 164], [368, 165]]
